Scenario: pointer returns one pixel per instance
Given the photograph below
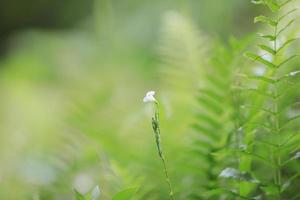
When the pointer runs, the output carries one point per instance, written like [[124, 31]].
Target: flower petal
[[150, 93]]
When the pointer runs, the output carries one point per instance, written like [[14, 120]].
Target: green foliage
[[218, 119], [93, 195], [126, 194], [72, 113], [267, 123]]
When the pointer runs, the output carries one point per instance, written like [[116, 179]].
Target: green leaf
[[286, 14], [269, 37], [235, 174], [286, 2], [237, 194], [262, 78], [271, 4], [286, 26], [285, 123], [259, 157], [257, 91], [285, 44], [209, 120], [287, 60], [209, 194], [207, 131], [260, 18], [265, 19], [213, 105], [288, 183], [270, 189], [274, 7], [126, 194], [259, 59], [79, 196], [268, 49]]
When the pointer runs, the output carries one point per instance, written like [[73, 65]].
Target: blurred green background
[[73, 75]]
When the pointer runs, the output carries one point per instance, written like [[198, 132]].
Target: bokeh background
[[72, 77]]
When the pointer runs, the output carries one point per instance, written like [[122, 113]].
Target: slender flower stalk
[[155, 125]]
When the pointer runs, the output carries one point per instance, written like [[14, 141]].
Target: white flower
[[149, 97]]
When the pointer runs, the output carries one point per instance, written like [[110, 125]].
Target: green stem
[[156, 129], [276, 124]]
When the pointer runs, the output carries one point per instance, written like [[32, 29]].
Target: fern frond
[[260, 59], [182, 59], [215, 119], [270, 109]]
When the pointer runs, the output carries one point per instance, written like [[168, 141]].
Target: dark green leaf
[[288, 183], [270, 189]]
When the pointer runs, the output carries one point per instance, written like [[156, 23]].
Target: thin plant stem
[[276, 123], [156, 129]]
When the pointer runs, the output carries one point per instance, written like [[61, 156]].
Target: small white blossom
[[149, 97]]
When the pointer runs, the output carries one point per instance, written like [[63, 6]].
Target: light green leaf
[[258, 58], [268, 49], [126, 194], [286, 14], [286, 2], [285, 44], [269, 37], [274, 7], [287, 60], [286, 26], [262, 78], [265, 19]]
